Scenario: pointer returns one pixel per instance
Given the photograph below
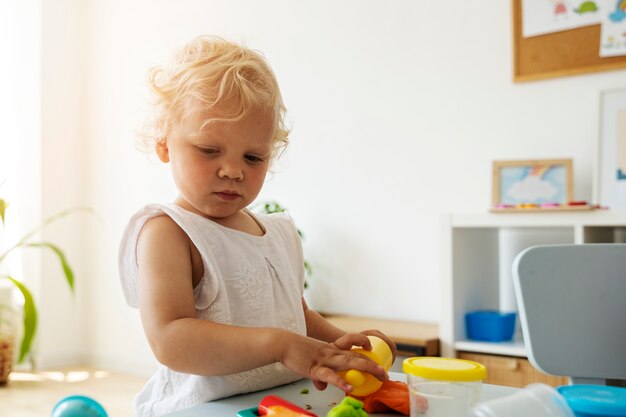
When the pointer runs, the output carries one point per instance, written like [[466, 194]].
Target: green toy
[[587, 7], [348, 407]]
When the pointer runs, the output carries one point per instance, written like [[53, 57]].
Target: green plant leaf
[[52, 219], [269, 207], [23, 241], [3, 208], [67, 270], [30, 318], [307, 268]]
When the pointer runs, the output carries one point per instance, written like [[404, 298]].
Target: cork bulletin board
[[574, 51]]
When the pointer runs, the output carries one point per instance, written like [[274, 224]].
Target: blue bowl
[[490, 326], [595, 400]]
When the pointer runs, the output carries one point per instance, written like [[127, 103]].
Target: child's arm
[[320, 328], [184, 343]]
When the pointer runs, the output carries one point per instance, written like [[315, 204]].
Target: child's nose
[[230, 170]]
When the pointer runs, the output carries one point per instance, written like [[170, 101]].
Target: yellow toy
[[363, 382]]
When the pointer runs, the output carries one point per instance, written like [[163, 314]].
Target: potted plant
[[29, 313]]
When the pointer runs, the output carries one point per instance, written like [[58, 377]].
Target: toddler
[[219, 289]]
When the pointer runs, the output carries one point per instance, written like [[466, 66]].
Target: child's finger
[[346, 360], [320, 385], [353, 339], [387, 340], [364, 364], [326, 375]]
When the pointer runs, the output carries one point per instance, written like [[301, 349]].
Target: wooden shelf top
[[410, 333], [512, 348], [590, 218]]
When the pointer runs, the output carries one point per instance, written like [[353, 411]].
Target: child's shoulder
[[155, 219], [276, 218], [158, 225], [149, 211], [278, 221], [161, 224]]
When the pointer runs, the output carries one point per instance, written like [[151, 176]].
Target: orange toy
[[391, 396]]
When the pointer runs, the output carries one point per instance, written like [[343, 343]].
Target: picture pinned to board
[[611, 165], [534, 185], [554, 38], [549, 16], [613, 33]]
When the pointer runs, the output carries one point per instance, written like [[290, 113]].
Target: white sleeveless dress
[[254, 281]]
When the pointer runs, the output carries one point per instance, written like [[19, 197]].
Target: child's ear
[[162, 151]]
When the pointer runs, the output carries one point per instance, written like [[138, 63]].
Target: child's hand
[[387, 340], [320, 361]]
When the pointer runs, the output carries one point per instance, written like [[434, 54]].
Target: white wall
[[398, 109]]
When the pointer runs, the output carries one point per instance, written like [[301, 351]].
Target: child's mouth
[[227, 196]]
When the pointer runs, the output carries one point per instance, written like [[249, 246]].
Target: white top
[[254, 281]]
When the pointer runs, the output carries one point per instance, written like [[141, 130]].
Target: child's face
[[219, 169]]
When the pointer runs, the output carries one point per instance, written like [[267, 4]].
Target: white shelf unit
[[477, 256]]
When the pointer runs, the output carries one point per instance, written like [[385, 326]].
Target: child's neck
[[242, 221]]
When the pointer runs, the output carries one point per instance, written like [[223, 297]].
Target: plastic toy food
[[274, 406], [348, 407], [392, 396], [78, 406], [363, 382]]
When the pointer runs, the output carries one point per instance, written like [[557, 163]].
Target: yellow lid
[[444, 369]]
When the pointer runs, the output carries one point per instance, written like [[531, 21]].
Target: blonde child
[[219, 289]]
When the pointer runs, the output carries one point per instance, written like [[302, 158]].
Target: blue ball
[[78, 406]]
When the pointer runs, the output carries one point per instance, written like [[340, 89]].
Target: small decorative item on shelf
[[541, 186], [544, 207], [490, 325]]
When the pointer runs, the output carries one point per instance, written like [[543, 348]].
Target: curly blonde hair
[[217, 75]]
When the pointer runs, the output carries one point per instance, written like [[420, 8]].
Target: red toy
[[274, 406]]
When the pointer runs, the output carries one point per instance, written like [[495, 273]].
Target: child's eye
[[253, 158], [208, 151]]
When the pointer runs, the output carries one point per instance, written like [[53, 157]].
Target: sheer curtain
[[20, 119], [20, 148]]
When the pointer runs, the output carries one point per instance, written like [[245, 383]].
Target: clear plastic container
[[443, 387], [536, 400]]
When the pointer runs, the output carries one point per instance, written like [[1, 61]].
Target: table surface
[[319, 401]]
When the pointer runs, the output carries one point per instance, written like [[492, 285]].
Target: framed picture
[[532, 184], [610, 184]]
